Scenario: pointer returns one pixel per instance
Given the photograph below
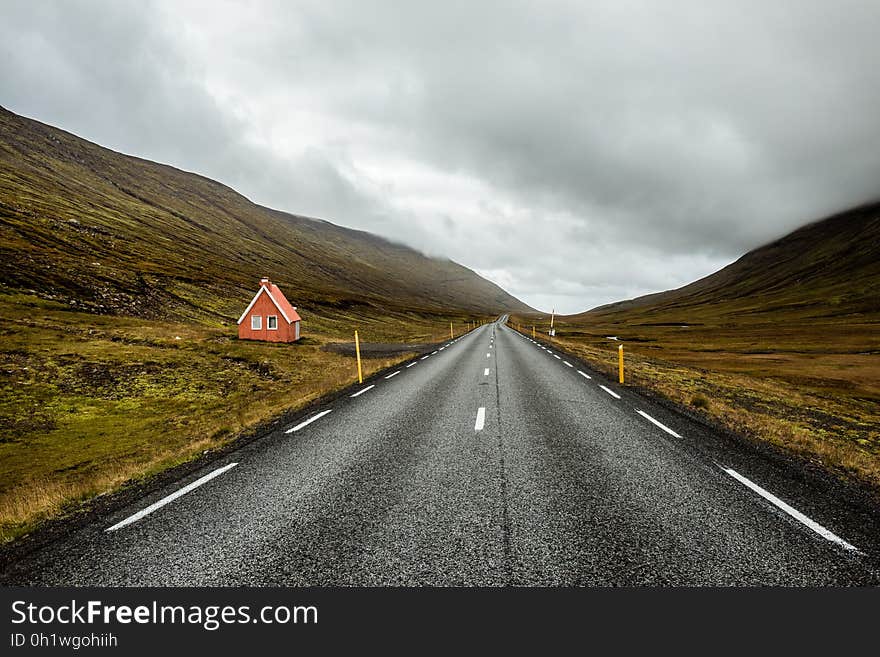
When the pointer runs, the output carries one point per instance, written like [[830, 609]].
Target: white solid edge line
[[565, 362], [585, 375], [360, 392], [411, 364], [393, 374], [165, 500], [309, 421], [486, 372], [659, 424], [790, 510], [610, 392], [481, 419]]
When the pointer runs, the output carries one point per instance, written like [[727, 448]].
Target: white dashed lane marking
[[165, 500], [481, 419], [790, 510], [393, 374], [309, 421], [659, 424], [360, 392], [610, 392]]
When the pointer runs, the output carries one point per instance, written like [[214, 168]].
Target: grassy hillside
[[94, 229], [782, 345], [120, 283], [826, 270]]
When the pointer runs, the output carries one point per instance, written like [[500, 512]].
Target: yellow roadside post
[[451, 334], [533, 331], [620, 361], [357, 349]]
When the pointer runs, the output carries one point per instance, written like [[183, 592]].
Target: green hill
[[825, 270], [110, 233]]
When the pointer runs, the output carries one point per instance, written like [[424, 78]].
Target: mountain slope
[[112, 233], [826, 269]]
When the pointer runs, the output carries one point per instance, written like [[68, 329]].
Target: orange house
[[269, 317]]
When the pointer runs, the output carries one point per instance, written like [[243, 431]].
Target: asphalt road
[[556, 481]]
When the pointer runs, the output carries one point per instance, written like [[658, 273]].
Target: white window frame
[[269, 319], [256, 322]]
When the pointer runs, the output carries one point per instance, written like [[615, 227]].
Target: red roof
[[283, 304], [277, 297]]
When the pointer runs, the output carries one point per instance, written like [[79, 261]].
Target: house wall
[[264, 307]]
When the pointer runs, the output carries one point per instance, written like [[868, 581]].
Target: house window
[[272, 322], [256, 322]]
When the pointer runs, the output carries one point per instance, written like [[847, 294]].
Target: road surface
[[492, 461]]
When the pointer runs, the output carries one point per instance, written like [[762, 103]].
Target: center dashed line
[[481, 419]]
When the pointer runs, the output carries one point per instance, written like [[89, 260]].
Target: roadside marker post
[[357, 349], [451, 334], [533, 331], [620, 362]]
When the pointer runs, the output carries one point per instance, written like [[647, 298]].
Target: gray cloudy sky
[[573, 152]]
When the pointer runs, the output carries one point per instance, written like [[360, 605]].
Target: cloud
[[575, 153]]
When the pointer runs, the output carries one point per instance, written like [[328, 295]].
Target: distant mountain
[[110, 233], [827, 269]]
